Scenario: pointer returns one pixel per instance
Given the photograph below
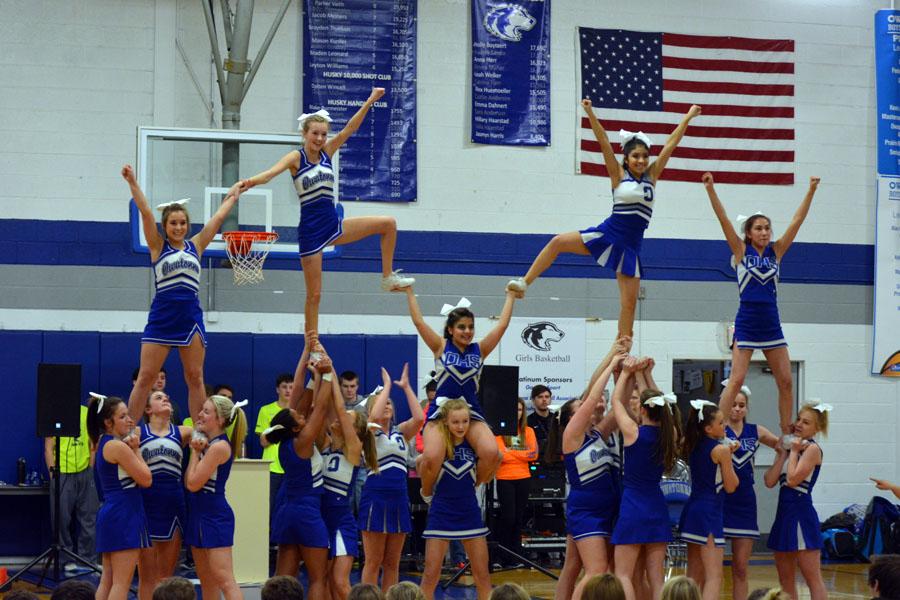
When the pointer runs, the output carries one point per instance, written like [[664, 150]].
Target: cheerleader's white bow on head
[[269, 430], [822, 407], [100, 400], [699, 404], [741, 219], [663, 400], [640, 135], [744, 389], [180, 203], [376, 391], [319, 113], [371, 425], [447, 308], [236, 406]]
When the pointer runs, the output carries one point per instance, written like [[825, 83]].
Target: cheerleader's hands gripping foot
[[396, 282], [518, 285]]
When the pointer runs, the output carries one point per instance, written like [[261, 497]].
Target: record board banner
[[350, 47], [548, 352], [511, 72]]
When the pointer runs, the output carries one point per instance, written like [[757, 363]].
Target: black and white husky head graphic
[[539, 335], [508, 22]]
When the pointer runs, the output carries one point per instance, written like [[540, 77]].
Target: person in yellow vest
[[284, 383], [78, 502]]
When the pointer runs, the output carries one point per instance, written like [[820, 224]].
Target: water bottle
[[20, 471]]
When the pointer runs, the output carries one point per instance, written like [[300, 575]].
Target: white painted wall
[[79, 77]]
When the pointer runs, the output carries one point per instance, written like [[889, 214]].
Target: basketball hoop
[[247, 251]]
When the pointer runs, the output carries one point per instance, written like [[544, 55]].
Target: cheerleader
[[711, 472], [351, 440], [740, 522], [175, 317], [162, 448], [120, 470], [649, 451], [319, 226], [458, 362], [298, 526], [757, 326], [616, 243], [795, 537], [210, 528], [454, 513], [593, 463], [384, 504]]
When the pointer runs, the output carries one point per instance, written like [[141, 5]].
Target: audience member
[[175, 588], [509, 591], [74, 589], [539, 420], [603, 587], [404, 590], [281, 587], [365, 591], [884, 576], [680, 588]]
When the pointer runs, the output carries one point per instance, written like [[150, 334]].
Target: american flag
[[647, 81]]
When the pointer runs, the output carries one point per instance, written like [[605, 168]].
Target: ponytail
[[367, 437], [669, 419], [225, 410], [694, 430], [553, 450]]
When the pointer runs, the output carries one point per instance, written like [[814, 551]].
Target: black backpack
[[881, 529]]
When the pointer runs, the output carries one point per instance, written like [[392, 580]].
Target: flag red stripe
[[728, 110], [697, 130], [724, 87], [745, 66], [727, 42], [710, 153], [694, 176]]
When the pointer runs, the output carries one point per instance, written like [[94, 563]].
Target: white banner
[[886, 335], [548, 352]]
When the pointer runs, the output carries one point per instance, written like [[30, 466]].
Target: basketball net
[[247, 251]]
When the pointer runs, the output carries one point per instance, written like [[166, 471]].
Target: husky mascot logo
[[539, 335], [508, 21]]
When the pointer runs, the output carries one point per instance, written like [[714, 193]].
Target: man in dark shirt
[[539, 420]]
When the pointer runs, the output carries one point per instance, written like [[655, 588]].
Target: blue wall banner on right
[[886, 341]]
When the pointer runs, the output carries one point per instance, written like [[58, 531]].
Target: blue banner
[[887, 84], [350, 47], [511, 72]]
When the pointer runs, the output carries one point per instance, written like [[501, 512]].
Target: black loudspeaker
[[58, 400], [498, 393]]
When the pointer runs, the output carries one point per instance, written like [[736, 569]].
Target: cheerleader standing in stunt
[[120, 470], [175, 317], [757, 325], [740, 522], [795, 537], [311, 170], [650, 450], [458, 362], [454, 513], [616, 242], [711, 472], [384, 504], [162, 447], [210, 529]]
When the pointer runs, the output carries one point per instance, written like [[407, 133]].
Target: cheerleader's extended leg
[[435, 549], [568, 575], [780, 362], [192, 358], [629, 288], [740, 362], [152, 358], [484, 443], [569, 242], [357, 228], [810, 562], [312, 279], [477, 551]]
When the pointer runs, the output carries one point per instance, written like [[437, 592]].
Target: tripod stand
[[56, 550], [494, 547]]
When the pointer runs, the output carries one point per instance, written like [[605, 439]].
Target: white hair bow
[[822, 407], [376, 391], [100, 400], [699, 404], [371, 425], [269, 430], [742, 218], [236, 406], [640, 135], [319, 113], [442, 400], [180, 203], [744, 389], [447, 308], [663, 400]]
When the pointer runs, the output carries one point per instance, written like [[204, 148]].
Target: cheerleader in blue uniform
[[457, 362], [650, 450], [120, 470], [740, 523], [319, 226], [757, 326], [384, 517], [210, 527], [351, 441], [175, 317], [162, 446], [454, 513], [616, 242], [297, 526], [795, 537], [593, 463], [701, 525]]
